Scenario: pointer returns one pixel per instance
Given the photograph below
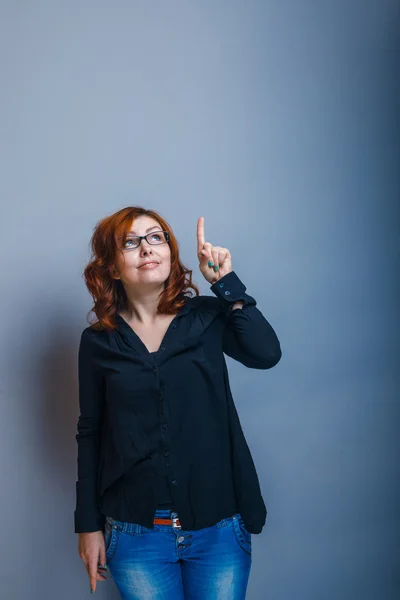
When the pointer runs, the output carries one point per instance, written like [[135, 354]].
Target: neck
[[141, 307]]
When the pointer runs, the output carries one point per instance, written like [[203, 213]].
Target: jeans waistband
[[163, 513]]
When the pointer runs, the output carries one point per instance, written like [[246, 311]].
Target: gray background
[[276, 121]]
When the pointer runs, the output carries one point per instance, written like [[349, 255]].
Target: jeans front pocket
[[242, 536], [111, 534]]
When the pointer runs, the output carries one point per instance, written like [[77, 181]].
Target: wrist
[[237, 304]]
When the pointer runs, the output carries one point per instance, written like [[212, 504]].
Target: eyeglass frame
[[144, 237]]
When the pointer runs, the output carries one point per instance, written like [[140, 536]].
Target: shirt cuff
[[229, 289], [86, 522]]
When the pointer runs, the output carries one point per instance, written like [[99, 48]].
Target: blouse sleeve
[[248, 337], [91, 388]]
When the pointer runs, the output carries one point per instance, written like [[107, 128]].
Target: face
[[130, 261]]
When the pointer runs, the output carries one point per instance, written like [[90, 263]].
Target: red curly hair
[[108, 293]]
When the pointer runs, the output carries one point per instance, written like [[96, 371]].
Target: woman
[[167, 495]]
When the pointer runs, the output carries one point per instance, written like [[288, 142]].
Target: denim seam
[[238, 529]]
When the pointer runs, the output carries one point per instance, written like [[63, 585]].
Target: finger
[[102, 556], [104, 572], [215, 255], [102, 569], [93, 575], [209, 252], [206, 251], [200, 233], [222, 256]]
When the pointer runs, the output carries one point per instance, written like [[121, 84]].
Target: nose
[[145, 247]]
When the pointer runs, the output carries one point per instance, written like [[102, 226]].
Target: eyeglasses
[[154, 238]]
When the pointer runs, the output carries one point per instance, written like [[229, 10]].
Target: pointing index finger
[[200, 232], [92, 575]]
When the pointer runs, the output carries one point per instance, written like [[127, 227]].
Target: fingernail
[[210, 263], [105, 565], [216, 268], [92, 591]]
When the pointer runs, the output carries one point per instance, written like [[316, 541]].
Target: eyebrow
[[147, 230]]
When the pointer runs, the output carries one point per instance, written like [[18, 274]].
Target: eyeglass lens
[[156, 237]]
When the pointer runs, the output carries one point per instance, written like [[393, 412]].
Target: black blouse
[[150, 417]]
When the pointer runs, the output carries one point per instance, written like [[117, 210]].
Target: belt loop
[[175, 518]]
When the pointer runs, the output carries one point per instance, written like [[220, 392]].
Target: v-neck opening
[[137, 336], [190, 302]]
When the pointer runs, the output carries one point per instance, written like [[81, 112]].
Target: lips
[[149, 265]]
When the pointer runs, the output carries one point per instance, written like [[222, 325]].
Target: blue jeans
[[166, 563]]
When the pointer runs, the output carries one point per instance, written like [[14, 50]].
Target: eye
[[133, 242], [158, 237]]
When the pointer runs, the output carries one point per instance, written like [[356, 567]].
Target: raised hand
[[215, 261]]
